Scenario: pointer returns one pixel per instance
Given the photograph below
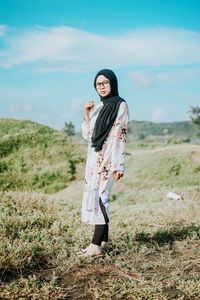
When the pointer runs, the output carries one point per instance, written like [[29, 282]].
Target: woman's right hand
[[89, 105]]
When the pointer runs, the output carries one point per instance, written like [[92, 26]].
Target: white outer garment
[[101, 165]]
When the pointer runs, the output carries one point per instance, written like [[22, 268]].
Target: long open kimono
[[101, 165]]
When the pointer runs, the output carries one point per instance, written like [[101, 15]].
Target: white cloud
[[179, 76], [3, 30], [76, 104], [13, 108], [20, 108], [157, 115], [64, 48], [143, 80]]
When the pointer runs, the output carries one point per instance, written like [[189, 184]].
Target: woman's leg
[[100, 234], [103, 211], [101, 231], [106, 230]]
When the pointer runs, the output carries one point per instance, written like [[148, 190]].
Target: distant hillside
[[36, 157], [143, 129]]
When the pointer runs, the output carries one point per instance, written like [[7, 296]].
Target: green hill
[[142, 129], [36, 157]]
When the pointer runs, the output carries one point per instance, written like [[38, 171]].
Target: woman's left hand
[[117, 175]]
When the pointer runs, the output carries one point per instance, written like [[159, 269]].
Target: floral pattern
[[122, 134], [101, 165], [105, 173]]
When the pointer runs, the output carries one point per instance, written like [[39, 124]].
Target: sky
[[50, 51]]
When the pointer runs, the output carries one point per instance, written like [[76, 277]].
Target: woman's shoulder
[[123, 105], [123, 111]]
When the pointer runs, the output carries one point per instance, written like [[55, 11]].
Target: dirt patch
[[142, 269], [82, 280], [196, 157]]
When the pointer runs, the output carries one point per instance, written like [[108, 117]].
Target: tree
[[195, 116], [69, 128], [141, 136]]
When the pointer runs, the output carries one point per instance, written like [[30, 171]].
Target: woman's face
[[103, 86]]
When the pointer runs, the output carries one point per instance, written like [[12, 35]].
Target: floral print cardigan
[[101, 165]]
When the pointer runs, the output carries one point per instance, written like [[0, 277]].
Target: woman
[[104, 127]]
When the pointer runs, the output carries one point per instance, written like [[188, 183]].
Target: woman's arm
[[85, 129], [118, 146], [89, 105]]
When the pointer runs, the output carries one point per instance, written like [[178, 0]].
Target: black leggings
[[101, 231]]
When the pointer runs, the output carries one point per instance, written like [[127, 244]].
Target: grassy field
[[154, 246], [36, 157]]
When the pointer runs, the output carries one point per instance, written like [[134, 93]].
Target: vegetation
[[173, 166], [195, 116], [175, 132], [154, 245], [69, 129], [35, 157], [153, 253]]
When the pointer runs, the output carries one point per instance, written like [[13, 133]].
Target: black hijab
[[108, 113]]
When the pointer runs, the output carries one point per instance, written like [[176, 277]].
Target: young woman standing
[[105, 128]]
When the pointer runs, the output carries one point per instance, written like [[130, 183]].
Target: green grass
[[154, 246], [36, 157], [172, 167]]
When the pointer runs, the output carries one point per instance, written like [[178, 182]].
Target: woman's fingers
[[117, 175], [89, 105]]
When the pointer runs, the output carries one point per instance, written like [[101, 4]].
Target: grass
[[154, 244], [173, 167], [36, 157], [153, 252]]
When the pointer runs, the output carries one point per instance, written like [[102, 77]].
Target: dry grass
[[153, 253]]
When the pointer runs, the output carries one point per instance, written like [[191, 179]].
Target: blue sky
[[50, 51]]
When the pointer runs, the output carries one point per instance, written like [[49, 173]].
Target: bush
[[3, 167]]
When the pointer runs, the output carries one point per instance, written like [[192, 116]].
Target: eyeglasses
[[103, 83]]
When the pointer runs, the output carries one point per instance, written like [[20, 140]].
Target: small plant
[[113, 198], [168, 235], [3, 167], [197, 169], [175, 169]]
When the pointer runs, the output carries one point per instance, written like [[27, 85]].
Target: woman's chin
[[103, 94]]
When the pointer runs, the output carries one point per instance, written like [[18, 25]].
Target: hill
[[36, 157], [140, 130]]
